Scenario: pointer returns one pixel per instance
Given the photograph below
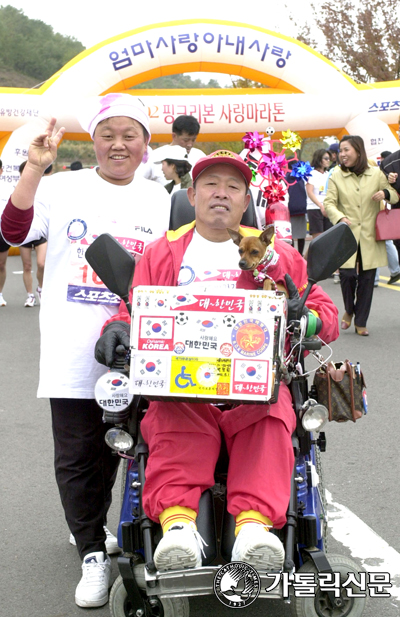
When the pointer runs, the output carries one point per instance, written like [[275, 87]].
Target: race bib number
[[84, 285]]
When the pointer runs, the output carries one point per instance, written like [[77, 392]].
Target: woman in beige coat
[[355, 190]]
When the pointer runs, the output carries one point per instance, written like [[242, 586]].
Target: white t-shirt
[[175, 188], [319, 181], [71, 210], [200, 261], [194, 155], [150, 170]]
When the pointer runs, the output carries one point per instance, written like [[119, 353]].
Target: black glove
[[293, 300], [314, 324], [114, 341]]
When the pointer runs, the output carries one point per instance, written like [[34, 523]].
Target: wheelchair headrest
[[182, 212]]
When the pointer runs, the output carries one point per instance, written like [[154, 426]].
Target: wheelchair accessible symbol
[[183, 380]]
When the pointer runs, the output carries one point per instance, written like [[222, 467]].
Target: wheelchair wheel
[[121, 607], [319, 605]]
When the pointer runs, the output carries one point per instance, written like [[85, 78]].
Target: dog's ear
[[267, 234], [235, 235]]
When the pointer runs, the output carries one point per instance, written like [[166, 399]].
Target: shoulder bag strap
[[350, 374]]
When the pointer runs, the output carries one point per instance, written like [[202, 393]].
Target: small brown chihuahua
[[255, 256]]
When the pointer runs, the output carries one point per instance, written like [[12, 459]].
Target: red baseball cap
[[225, 157]]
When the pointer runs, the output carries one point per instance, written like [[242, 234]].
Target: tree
[[363, 38], [309, 145], [240, 82], [178, 81], [31, 47]]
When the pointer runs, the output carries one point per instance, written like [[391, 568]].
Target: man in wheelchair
[[184, 438]]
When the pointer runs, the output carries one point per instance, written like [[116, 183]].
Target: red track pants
[[184, 443]]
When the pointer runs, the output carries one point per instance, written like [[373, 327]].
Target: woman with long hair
[[355, 190], [316, 192]]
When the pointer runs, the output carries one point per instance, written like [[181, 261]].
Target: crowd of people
[[130, 189], [345, 186], [306, 198]]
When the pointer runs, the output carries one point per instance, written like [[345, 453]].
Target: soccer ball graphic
[[229, 321], [270, 131], [181, 319]]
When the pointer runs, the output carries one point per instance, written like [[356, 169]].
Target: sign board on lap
[[206, 345]]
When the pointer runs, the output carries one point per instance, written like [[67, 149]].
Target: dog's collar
[[260, 272]]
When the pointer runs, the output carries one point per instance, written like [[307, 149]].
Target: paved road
[[39, 569]]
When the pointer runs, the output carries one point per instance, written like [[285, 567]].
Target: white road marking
[[364, 543]]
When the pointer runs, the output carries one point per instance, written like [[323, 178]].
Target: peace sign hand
[[42, 152], [43, 149]]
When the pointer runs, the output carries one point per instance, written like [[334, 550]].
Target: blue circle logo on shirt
[[77, 229], [186, 275]]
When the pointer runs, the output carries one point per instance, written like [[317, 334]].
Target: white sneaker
[[181, 547], [92, 589], [336, 279], [39, 294], [112, 547], [258, 547], [30, 301], [2, 301]]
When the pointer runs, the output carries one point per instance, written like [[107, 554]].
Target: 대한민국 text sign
[[206, 345]]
